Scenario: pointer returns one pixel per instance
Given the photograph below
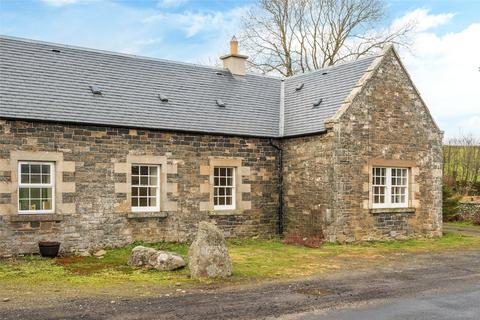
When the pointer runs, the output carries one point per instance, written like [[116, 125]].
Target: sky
[[443, 60]]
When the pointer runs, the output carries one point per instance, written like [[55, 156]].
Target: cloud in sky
[[445, 68], [422, 19]]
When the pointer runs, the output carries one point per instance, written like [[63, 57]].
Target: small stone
[[84, 254], [178, 290], [100, 253], [155, 259], [178, 284], [112, 302], [6, 299], [167, 295]]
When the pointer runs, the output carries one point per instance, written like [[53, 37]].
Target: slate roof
[[37, 83]]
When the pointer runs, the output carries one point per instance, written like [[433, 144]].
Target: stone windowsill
[[36, 217], [234, 212], [392, 210], [142, 215]]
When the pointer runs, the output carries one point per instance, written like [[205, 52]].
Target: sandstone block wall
[[92, 164]]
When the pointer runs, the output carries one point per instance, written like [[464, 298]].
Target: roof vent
[[56, 50], [317, 103], [219, 73], [95, 89], [324, 72], [299, 87], [163, 98], [220, 103]]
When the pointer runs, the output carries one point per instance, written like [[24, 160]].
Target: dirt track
[[415, 275]]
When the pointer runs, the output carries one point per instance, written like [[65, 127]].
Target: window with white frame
[[145, 187], [389, 187], [36, 187], [224, 188]]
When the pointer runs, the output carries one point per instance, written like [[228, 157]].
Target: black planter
[[49, 249]]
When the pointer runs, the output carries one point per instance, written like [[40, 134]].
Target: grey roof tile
[[301, 116], [39, 84]]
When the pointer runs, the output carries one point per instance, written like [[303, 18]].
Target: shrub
[[450, 204]]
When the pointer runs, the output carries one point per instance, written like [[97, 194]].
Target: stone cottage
[[98, 149]]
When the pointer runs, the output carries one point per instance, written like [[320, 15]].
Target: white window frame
[[157, 196], [233, 187], [388, 189], [36, 185]]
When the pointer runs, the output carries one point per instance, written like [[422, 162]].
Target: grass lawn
[[253, 261], [461, 224]]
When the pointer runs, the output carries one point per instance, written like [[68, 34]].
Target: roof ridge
[[335, 66], [128, 55]]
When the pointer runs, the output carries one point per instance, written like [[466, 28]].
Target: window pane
[[135, 170], [228, 201], [153, 181], [35, 205], [45, 178], [144, 181], [216, 171], [24, 168], [25, 178], [35, 178], [228, 191], [143, 202], [215, 201], [152, 191], [23, 193], [221, 201], [153, 170], [46, 204], [35, 168], [134, 202], [24, 205], [153, 202], [134, 191], [144, 170], [46, 193], [35, 193], [143, 192], [45, 169], [135, 180], [221, 191]]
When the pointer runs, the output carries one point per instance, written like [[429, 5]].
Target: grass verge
[[253, 261]]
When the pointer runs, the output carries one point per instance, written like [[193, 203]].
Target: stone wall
[[308, 177], [469, 211], [93, 202], [385, 124], [327, 176]]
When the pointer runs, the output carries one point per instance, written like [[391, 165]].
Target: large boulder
[[155, 259], [208, 255]]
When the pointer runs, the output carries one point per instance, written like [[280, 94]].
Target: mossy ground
[[253, 261]]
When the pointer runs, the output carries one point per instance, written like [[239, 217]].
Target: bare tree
[[295, 36]]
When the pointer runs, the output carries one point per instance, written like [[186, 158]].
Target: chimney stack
[[234, 62]]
